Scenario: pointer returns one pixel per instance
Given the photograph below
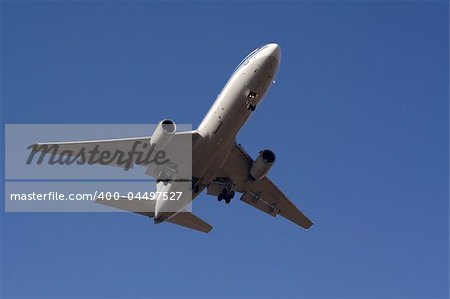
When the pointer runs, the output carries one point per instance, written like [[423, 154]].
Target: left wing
[[120, 150], [263, 194]]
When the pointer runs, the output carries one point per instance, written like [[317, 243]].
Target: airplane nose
[[274, 50]]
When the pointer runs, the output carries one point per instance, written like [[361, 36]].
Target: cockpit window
[[244, 62], [245, 59]]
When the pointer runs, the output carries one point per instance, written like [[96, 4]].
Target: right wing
[[262, 194]]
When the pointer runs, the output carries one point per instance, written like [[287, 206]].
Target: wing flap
[[256, 202]]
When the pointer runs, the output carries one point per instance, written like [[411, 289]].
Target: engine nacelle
[[163, 134], [262, 164]]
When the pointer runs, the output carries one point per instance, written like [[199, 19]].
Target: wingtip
[[308, 225]]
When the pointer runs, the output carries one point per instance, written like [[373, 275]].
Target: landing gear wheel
[[251, 106], [227, 192], [228, 196]]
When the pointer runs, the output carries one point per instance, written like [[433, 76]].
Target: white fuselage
[[229, 112], [232, 108]]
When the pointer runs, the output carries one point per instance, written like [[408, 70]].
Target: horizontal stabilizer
[[147, 208], [189, 220], [142, 207]]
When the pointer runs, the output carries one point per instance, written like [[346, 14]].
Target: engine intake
[[262, 164], [163, 134]]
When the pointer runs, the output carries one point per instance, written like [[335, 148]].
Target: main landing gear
[[227, 193]]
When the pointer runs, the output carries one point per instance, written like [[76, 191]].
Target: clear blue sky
[[358, 118]]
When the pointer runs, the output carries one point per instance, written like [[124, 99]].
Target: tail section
[[147, 208], [189, 220]]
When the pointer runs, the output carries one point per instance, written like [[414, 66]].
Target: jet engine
[[262, 164], [163, 134]]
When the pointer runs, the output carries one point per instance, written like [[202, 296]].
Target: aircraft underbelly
[[226, 117]]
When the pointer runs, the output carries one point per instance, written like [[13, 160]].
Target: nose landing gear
[[250, 101]]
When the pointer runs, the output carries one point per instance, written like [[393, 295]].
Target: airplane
[[219, 164]]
